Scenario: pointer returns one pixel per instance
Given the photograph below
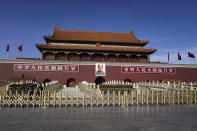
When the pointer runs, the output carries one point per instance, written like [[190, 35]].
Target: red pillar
[[105, 57], [66, 56], [42, 56], [128, 58], [138, 58], [132, 59], [117, 57], [54, 55], [90, 56], [78, 56], [148, 58]]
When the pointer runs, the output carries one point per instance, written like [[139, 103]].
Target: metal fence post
[[152, 97], [91, 101], [34, 98], [142, 99], [40, 98], [173, 101], [9, 98], [77, 99], [122, 105], [164, 98], [66, 98], [60, 99], [97, 100], [114, 97], [147, 98], [0, 102], [83, 101], [126, 98], [137, 97], [182, 97], [119, 98], [3, 104], [72, 99], [157, 98], [107, 97], [191, 97], [195, 96], [16, 99], [187, 97], [169, 97], [44, 100], [48, 98], [131, 97], [22, 97], [178, 97], [28, 99], [54, 98]]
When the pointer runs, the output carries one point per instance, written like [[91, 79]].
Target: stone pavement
[[135, 118]]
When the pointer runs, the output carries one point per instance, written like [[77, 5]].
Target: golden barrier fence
[[9, 88], [2, 83], [108, 98], [172, 85]]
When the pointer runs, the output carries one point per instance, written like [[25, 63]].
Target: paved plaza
[[135, 118]]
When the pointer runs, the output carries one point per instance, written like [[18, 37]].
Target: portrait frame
[[99, 71]]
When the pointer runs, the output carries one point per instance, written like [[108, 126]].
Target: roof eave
[[42, 46], [48, 39], [38, 47]]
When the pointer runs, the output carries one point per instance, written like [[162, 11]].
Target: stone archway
[[99, 80], [127, 80], [71, 82], [46, 81]]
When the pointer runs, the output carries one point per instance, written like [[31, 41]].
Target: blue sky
[[169, 25]]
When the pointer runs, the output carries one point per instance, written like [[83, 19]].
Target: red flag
[[168, 56], [20, 48], [179, 56], [98, 44], [8, 47], [191, 55]]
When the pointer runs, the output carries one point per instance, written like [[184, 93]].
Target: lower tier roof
[[94, 48]]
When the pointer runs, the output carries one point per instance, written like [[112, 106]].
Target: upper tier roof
[[92, 36]]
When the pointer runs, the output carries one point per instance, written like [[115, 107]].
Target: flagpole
[[188, 60], [21, 51], [8, 55], [7, 50]]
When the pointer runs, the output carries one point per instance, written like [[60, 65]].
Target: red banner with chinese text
[[132, 69], [46, 67]]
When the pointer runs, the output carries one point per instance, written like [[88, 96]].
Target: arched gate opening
[[71, 82], [99, 80]]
